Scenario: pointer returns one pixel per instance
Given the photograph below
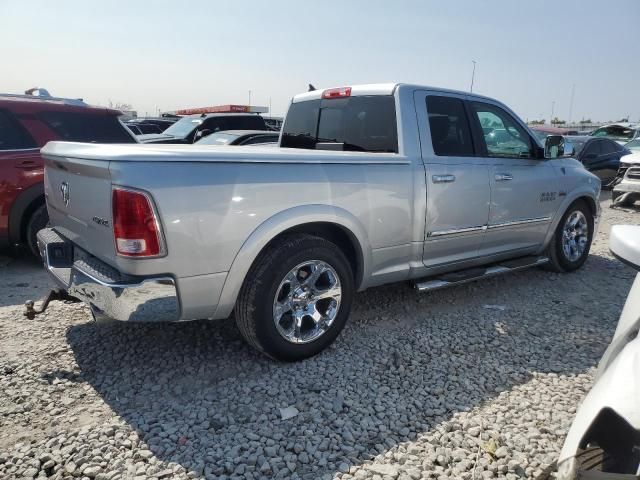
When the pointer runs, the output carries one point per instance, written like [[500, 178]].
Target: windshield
[[183, 127], [615, 132], [633, 145], [218, 139]]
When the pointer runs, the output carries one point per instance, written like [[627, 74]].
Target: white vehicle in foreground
[[604, 439]]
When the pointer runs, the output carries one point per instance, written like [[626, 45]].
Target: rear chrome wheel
[[307, 301], [296, 297]]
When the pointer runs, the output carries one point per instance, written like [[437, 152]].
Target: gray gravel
[[480, 381]]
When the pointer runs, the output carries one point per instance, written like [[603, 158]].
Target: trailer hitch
[[54, 294]]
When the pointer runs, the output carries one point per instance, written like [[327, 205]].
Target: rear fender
[[274, 226]]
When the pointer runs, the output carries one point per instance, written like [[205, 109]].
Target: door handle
[[27, 165], [443, 178], [503, 177]]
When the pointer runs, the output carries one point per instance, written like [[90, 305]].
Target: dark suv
[[192, 128], [28, 122]]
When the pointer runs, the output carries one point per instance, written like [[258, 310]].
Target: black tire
[[39, 219], [558, 261], [254, 307]]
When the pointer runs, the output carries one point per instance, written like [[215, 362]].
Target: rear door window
[[87, 127], [358, 124], [12, 135], [449, 126]]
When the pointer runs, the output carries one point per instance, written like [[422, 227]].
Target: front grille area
[[633, 173]]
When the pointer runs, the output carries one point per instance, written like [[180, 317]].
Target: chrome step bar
[[465, 276]]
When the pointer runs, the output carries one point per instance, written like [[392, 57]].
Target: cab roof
[[379, 89]]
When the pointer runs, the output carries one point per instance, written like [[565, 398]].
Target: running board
[[471, 274]]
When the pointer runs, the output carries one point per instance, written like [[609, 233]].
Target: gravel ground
[[479, 381]]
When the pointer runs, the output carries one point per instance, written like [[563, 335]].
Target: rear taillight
[[135, 225], [341, 92]]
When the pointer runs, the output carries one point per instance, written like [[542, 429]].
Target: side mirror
[[556, 146]]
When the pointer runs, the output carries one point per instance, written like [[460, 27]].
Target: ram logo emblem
[[64, 192]]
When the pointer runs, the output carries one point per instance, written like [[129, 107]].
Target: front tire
[[39, 219], [571, 242], [296, 298]]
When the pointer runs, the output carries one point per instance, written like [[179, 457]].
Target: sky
[[176, 54]]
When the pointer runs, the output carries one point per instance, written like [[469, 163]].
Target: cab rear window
[[87, 127], [358, 124]]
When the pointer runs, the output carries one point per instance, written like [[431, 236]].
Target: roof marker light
[[341, 92]]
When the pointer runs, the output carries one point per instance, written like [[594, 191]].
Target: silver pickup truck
[[372, 184]]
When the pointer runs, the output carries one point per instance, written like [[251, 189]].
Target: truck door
[[457, 180], [524, 189]]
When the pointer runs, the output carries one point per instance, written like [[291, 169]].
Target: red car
[[27, 122]]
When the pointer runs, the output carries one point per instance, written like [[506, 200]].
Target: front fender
[[274, 226], [587, 191]]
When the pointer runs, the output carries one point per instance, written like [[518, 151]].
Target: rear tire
[[570, 244], [39, 219], [271, 310]]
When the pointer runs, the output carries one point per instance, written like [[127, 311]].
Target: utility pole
[[573, 88], [553, 106], [270, 114], [249, 97], [473, 74]]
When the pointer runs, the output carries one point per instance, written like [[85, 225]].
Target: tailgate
[[78, 193]]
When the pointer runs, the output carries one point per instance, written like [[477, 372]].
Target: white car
[[626, 188], [604, 439]]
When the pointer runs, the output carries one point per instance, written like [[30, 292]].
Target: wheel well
[[619, 441], [590, 203], [26, 215], [336, 234]]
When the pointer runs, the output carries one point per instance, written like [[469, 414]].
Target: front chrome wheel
[[575, 236], [307, 301]]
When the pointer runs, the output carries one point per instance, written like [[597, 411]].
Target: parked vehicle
[[161, 122], [134, 128], [27, 122], [633, 146], [143, 128], [274, 123], [194, 127], [604, 437], [239, 137], [601, 156], [543, 131], [626, 189], [621, 132], [374, 184]]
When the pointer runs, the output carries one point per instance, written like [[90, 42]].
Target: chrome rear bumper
[[108, 292]]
